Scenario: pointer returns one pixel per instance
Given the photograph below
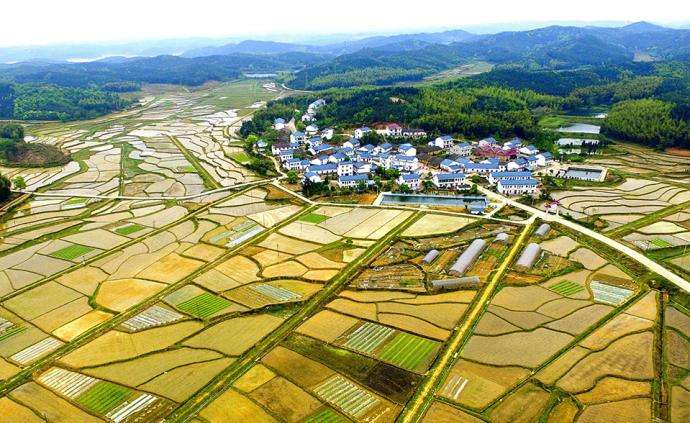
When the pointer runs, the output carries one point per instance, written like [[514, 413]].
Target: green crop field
[[566, 287], [241, 157], [73, 201], [325, 416], [104, 397], [660, 243], [129, 229], [313, 218], [203, 305], [407, 351], [71, 252], [11, 331]]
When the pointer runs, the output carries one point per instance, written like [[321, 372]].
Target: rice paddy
[[137, 309]]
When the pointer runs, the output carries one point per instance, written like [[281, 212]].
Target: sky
[[41, 22]]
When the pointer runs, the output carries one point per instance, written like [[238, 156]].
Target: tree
[[292, 177], [4, 188], [19, 182], [476, 179], [361, 186], [12, 131], [473, 190], [405, 189], [428, 185]]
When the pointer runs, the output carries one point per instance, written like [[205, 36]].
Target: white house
[[544, 159], [308, 117], [360, 132], [402, 163], [389, 130], [345, 168], [311, 129], [279, 124], [412, 180], [463, 149], [352, 181], [444, 141], [407, 149], [327, 133], [413, 133], [530, 150], [521, 187], [352, 143], [324, 169], [313, 177], [298, 136], [449, 180], [486, 142], [494, 177], [286, 155]]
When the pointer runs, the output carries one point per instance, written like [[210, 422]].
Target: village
[[420, 163]]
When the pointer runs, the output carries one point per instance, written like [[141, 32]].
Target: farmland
[[156, 277]]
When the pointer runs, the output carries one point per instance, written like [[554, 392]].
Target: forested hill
[[68, 91], [555, 48]]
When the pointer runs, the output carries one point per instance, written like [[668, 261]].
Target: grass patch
[[241, 157], [204, 305], [566, 288], [660, 243], [71, 252], [325, 416], [104, 397], [407, 351], [313, 218], [75, 201], [129, 229], [11, 331]]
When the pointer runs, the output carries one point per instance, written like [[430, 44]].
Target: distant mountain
[[553, 47], [402, 42], [250, 47]]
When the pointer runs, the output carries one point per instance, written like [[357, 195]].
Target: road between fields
[[415, 409], [225, 379], [622, 248]]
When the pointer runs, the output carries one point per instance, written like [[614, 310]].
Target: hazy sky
[[57, 21]]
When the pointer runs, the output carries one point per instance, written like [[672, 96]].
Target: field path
[[635, 255], [416, 407]]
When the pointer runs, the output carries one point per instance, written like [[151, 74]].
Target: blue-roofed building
[[444, 141], [517, 187], [449, 180], [385, 147], [298, 137], [352, 181], [407, 149], [324, 169], [482, 168], [494, 177], [345, 168], [530, 150], [463, 149], [412, 180], [362, 131]]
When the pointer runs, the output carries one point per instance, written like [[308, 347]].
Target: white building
[[494, 177], [463, 149], [352, 181], [327, 133], [449, 180], [298, 136], [402, 163], [407, 149], [444, 142], [412, 180], [345, 168], [521, 187], [279, 124], [312, 129], [360, 132]]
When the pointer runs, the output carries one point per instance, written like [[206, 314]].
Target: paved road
[[635, 255]]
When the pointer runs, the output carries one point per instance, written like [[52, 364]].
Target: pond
[[478, 203], [580, 128]]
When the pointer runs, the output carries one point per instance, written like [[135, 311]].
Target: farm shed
[[468, 257], [468, 282], [543, 229], [529, 256], [430, 256], [501, 237]]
